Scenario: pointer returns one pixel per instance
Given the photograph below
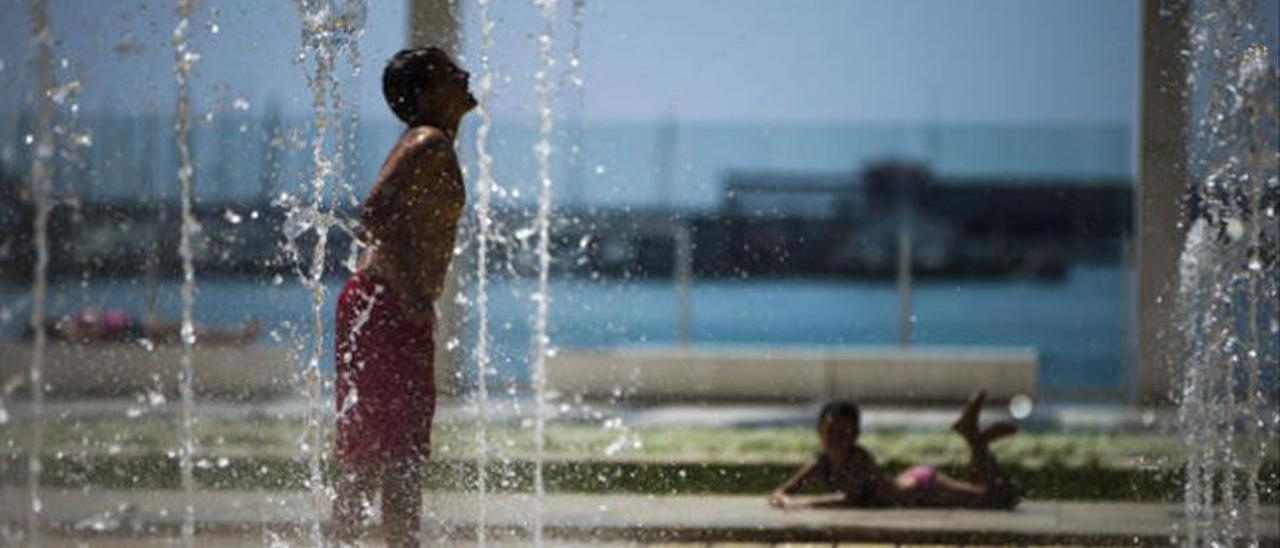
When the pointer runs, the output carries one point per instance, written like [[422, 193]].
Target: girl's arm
[[782, 496]]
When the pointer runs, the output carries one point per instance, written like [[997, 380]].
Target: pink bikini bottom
[[921, 476]]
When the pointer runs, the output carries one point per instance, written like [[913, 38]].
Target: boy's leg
[[353, 496], [402, 502]]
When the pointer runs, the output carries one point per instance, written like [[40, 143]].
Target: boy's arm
[[437, 268]]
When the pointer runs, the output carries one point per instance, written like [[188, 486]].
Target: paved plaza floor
[[261, 517]]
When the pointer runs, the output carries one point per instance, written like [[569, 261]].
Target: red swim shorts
[[384, 376]]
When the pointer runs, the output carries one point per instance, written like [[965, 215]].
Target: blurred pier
[[768, 224]]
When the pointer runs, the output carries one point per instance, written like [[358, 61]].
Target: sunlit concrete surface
[[639, 518], [122, 369], [922, 373]]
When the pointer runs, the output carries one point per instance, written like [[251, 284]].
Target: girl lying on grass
[[849, 469]]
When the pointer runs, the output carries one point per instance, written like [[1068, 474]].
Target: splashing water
[[573, 81], [575, 50], [1228, 298], [484, 191], [542, 299], [41, 181], [184, 61], [329, 27]]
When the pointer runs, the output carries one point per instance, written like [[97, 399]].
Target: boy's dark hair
[[841, 410], [408, 74]]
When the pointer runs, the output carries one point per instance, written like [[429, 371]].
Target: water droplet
[[1020, 406], [232, 217], [1235, 229], [59, 94], [188, 333], [240, 104]]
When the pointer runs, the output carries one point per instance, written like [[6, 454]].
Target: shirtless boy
[[385, 392]]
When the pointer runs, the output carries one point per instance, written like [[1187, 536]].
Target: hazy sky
[[721, 60]]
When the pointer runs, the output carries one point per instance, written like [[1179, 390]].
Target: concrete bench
[[882, 374], [126, 369]]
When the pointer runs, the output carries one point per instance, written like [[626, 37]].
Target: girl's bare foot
[[998, 430], [967, 424]]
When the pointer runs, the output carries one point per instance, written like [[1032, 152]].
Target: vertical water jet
[[184, 61], [542, 224], [1228, 299], [41, 182], [328, 28], [484, 220], [573, 77]]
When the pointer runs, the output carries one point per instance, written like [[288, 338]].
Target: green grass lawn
[[118, 452], [609, 442]]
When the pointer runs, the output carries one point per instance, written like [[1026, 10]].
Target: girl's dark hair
[[408, 74], [841, 410]]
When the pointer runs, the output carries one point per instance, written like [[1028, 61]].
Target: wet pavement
[[264, 517]]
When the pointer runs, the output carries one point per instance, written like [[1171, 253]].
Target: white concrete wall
[[126, 369], [936, 374]]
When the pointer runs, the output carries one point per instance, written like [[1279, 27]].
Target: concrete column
[[437, 23], [1162, 181]]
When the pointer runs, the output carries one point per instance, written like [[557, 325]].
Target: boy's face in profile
[[835, 432], [449, 89]]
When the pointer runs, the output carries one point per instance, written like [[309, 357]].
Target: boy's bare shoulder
[[425, 140]]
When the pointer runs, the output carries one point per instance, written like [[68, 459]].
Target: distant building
[[848, 223]]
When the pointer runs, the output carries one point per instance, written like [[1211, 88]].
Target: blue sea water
[[1079, 325]]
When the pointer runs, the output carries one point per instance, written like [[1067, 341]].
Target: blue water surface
[[1079, 325]]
